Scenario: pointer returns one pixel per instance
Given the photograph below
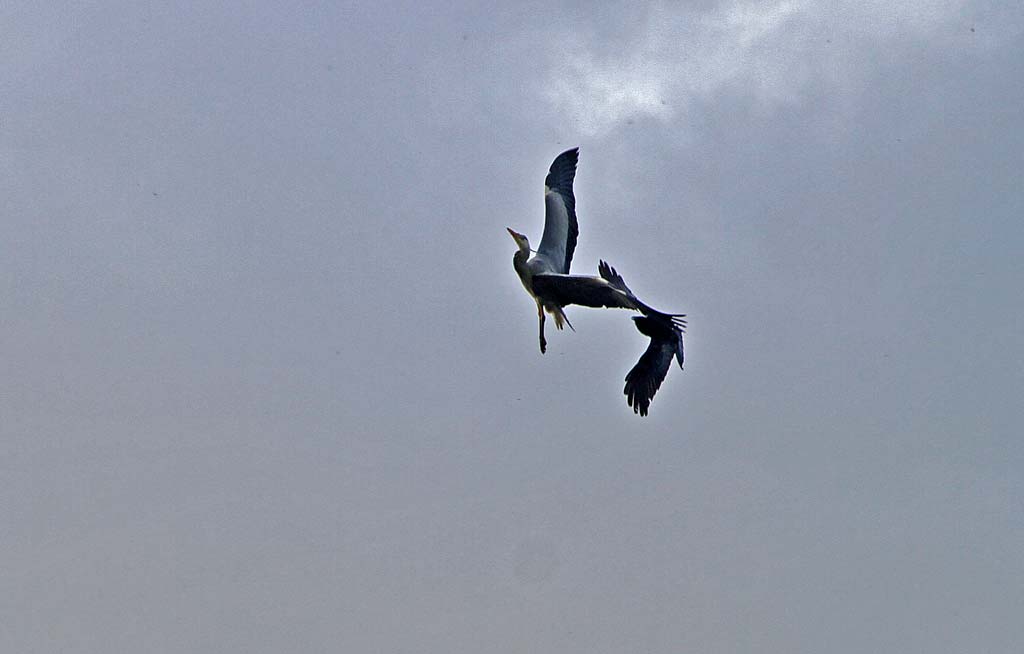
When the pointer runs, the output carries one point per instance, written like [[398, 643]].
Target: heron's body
[[527, 267], [545, 276]]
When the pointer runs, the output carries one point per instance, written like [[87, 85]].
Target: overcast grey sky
[[270, 384]]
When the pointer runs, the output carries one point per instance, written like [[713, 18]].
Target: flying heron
[[546, 278]]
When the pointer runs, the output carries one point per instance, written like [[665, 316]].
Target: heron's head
[[520, 239]]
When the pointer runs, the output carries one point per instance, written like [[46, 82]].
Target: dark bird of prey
[[546, 278], [645, 378]]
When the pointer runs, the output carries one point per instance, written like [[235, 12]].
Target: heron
[[545, 276]]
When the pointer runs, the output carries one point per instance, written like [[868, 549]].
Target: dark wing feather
[[612, 276], [560, 227], [644, 379]]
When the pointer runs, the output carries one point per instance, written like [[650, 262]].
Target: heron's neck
[[519, 263]]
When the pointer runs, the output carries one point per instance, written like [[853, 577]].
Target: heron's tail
[[559, 316]]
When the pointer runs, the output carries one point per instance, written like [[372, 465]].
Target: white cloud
[[766, 51]]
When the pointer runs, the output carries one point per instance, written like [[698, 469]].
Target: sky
[[270, 383]]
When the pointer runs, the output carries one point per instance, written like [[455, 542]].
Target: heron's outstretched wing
[[609, 290], [582, 290], [560, 228], [645, 378]]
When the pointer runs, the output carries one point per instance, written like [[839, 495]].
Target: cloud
[[767, 52]]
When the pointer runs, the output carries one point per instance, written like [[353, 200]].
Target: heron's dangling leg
[[540, 315]]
